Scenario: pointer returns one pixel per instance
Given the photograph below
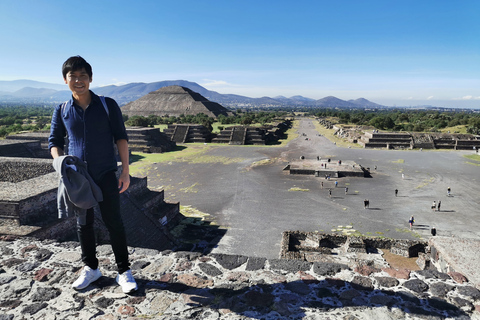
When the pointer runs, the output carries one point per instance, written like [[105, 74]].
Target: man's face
[[78, 81]]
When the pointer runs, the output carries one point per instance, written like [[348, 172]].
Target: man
[[92, 128]]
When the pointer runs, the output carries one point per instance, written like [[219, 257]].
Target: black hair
[[76, 63]]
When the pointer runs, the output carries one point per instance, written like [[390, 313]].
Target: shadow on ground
[[196, 235], [292, 299]]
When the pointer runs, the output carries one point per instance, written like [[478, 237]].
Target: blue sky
[[390, 52]]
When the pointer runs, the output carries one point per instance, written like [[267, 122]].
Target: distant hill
[[34, 92], [15, 85], [28, 91], [364, 103], [334, 102]]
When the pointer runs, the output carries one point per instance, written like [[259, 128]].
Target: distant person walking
[[438, 206], [330, 193], [448, 191], [403, 175], [346, 190], [411, 222], [366, 203], [433, 231], [336, 184], [322, 184], [396, 192], [434, 206]]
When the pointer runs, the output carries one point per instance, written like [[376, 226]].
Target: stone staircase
[[180, 134], [467, 144], [198, 133], [28, 207], [183, 133], [149, 140], [386, 140], [238, 135], [255, 136]]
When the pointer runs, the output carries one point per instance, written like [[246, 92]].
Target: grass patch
[[455, 129], [347, 231], [196, 224], [193, 153], [399, 161], [298, 189], [161, 126], [473, 163], [474, 157], [425, 183], [215, 126], [191, 189], [263, 162], [190, 212], [406, 230], [330, 135], [291, 134]]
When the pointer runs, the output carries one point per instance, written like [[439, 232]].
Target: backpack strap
[[102, 98], [63, 108]]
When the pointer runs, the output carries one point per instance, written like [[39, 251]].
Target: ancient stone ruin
[[441, 254], [404, 140], [183, 133], [326, 168], [233, 135], [315, 246], [35, 144], [28, 207], [397, 140]]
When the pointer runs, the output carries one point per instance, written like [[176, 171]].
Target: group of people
[[330, 190], [435, 206], [411, 221]]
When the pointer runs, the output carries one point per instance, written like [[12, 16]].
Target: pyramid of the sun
[[173, 101]]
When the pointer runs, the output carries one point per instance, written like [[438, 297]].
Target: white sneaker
[[87, 276], [126, 281]]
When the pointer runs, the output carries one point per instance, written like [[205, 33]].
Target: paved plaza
[[256, 200]]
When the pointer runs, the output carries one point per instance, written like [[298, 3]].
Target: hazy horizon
[[408, 103]]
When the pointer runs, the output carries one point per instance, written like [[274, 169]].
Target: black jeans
[[110, 211]]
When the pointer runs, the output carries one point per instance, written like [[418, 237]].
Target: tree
[[388, 123], [137, 121]]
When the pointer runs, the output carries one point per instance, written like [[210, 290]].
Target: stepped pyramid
[[173, 101]]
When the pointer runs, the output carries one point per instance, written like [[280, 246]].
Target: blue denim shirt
[[91, 133]]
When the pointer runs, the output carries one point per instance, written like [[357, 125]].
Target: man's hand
[[123, 182], [56, 152], [124, 179]]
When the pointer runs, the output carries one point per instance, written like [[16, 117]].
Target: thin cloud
[[216, 83], [430, 98], [469, 98]]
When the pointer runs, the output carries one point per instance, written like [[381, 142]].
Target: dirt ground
[[399, 262]]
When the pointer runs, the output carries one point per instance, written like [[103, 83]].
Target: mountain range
[[28, 91]]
